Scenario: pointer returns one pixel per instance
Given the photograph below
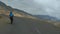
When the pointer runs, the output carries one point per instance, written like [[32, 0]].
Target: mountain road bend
[[28, 26]]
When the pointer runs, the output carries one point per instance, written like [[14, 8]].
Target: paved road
[[28, 26]]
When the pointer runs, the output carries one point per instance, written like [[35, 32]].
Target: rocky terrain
[[25, 23]]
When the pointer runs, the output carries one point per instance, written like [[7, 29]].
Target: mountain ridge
[[47, 17], [4, 9]]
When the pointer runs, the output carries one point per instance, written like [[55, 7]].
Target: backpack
[[11, 14]]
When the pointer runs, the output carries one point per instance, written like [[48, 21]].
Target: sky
[[36, 7]]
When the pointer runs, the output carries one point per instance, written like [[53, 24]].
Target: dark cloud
[[50, 7]]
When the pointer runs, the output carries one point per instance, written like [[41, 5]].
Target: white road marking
[[37, 30]]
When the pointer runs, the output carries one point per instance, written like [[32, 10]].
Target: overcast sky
[[37, 7]]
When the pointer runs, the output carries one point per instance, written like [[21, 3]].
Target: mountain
[[47, 17], [4, 9], [2, 4], [23, 24]]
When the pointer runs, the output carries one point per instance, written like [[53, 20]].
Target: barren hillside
[[24, 23]]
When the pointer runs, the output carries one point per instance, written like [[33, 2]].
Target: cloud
[[45, 7], [27, 5], [52, 7]]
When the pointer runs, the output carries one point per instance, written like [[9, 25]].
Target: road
[[28, 26]]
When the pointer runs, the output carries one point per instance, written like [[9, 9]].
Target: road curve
[[28, 26]]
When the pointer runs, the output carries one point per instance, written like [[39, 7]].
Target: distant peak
[[2, 4]]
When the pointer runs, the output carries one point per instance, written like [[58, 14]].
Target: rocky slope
[[4, 9]]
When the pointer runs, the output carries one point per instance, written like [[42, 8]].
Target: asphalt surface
[[28, 26]]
